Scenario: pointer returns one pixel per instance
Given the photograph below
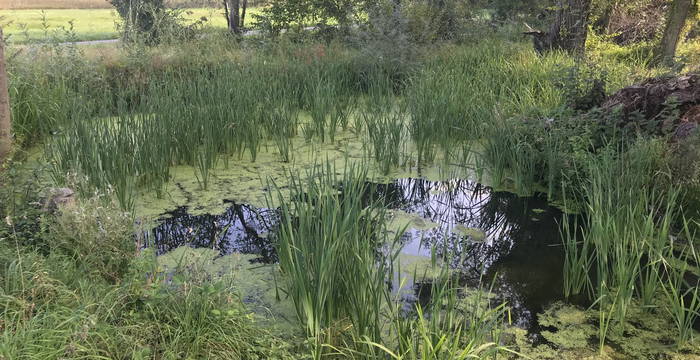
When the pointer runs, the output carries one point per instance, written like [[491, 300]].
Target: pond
[[493, 238]]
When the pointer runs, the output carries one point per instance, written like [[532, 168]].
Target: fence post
[[5, 115]]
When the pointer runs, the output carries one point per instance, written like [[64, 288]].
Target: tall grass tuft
[[682, 297], [328, 243], [386, 131], [624, 238]]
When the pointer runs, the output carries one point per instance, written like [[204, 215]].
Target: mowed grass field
[[95, 4], [31, 25], [53, 4]]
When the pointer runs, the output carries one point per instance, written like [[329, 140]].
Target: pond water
[[493, 238]]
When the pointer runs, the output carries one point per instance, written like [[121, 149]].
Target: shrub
[[583, 85], [151, 22], [97, 236], [139, 15], [20, 208]]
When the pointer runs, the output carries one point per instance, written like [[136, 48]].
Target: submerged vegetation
[[313, 125]]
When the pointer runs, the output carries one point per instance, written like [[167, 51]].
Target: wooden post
[[5, 116]]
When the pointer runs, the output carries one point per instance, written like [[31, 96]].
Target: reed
[[577, 259], [336, 259], [387, 136], [625, 235], [682, 298], [327, 244], [448, 326]]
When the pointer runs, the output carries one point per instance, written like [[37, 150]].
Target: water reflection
[[241, 229], [520, 252], [518, 247]]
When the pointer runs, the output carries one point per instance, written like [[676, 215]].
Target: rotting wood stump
[[656, 101]]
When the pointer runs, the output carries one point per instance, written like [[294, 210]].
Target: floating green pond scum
[[571, 333], [244, 181], [255, 283]]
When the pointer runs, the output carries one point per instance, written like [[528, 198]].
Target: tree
[[605, 9], [678, 14], [569, 30], [235, 12], [5, 115], [140, 16]]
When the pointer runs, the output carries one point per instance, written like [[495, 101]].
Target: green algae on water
[[473, 234], [571, 333], [255, 284]]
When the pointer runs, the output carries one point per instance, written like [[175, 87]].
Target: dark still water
[[496, 237]]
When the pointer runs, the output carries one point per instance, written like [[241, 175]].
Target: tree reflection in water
[[520, 252], [241, 229]]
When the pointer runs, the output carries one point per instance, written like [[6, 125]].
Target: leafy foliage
[[151, 22]]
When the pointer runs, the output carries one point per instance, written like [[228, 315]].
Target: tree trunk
[[5, 115], [570, 28], [602, 24], [236, 16], [232, 12], [676, 19], [243, 11], [226, 14]]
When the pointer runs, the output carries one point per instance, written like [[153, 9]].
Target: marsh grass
[[337, 260], [577, 260], [386, 131], [625, 238], [682, 298], [328, 243], [199, 116], [282, 124]]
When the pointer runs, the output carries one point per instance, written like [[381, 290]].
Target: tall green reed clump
[[182, 119], [46, 87], [384, 123], [510, 155], [455, 323], [328, 244], [682, 296], [465, 94], [617, 258], [193, 116], [327, 92], [337, 261]]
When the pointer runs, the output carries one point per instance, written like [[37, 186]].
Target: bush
[[49, 309], [97, 236], [637, 21], [150, 22], [582, 84], [282, 15], [21, 217], [139, 15]]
